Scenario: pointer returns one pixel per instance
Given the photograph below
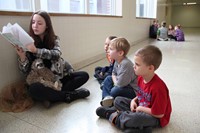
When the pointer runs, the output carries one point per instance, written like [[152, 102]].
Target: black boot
[[77, 94]]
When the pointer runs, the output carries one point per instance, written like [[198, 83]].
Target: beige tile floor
[[180, 70]]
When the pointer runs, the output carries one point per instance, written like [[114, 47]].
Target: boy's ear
[[121, 53], [151, 67]]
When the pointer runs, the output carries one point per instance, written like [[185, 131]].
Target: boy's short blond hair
[[121, 44], [151, 55]]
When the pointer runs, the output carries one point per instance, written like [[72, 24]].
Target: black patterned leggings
[[70, 83]]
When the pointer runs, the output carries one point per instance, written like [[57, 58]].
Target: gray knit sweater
[[125, 74]]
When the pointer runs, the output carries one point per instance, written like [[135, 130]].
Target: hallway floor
[[180, 69]]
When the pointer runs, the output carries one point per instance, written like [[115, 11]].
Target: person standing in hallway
[[46, 47]]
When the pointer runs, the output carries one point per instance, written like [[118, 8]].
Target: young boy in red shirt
[[151, 107]]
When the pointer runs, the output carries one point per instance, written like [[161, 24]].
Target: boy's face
[[114, 54], [106, 45], [140, 68]]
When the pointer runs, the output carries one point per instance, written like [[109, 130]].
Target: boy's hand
[[114, 79], [133, 105], [140, 109], [101, 73], [145, 110]]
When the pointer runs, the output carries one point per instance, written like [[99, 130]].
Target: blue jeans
[[110, 90]]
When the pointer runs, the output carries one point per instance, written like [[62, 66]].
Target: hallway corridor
[[180, 69]]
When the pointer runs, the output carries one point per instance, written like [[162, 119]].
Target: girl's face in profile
[[38, 25]]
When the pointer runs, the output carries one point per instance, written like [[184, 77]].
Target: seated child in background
[[162, 33], [179, 33], [102, 72], [151, 107], [123, 81], [153, 29], [171, 32]]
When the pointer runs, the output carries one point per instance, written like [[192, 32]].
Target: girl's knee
[[85, 76]]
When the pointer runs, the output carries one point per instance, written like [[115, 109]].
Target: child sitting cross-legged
[[123, 81], [151, 107], [102, 72]]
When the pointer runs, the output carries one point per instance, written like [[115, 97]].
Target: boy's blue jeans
[[110, 90]]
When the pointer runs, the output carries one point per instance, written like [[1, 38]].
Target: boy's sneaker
[[77, 94], [105, 112], [107, 101], [135, 130]]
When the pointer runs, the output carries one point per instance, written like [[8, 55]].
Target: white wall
[[187, 16], [168, 12], [161, 15], [82, 38], [9, 71]]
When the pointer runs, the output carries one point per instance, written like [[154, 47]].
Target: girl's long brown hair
[[49, 35]]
